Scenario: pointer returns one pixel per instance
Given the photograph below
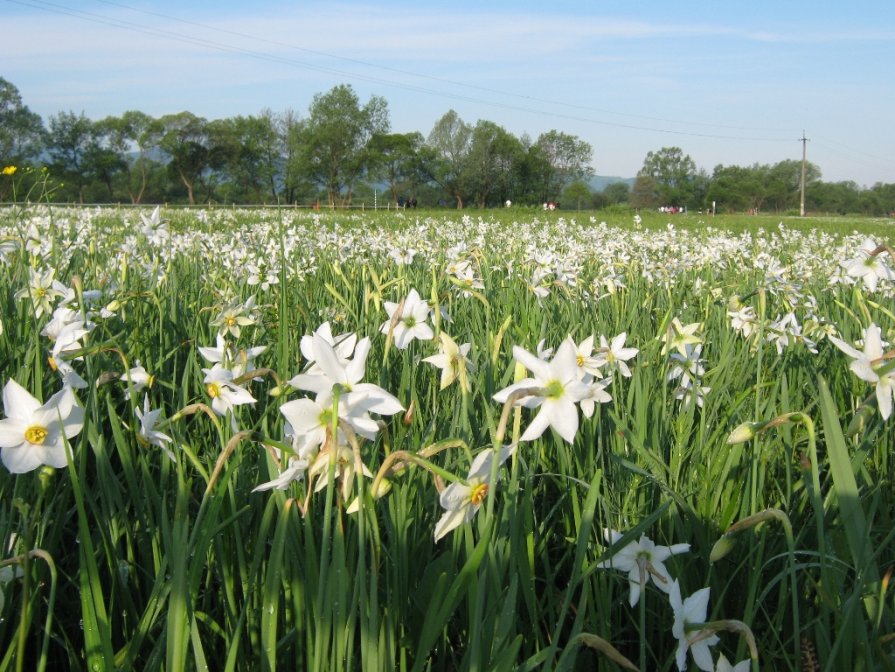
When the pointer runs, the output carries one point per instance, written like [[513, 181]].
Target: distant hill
[[600, 182]]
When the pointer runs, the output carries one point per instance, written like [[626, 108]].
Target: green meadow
[[445, 440]]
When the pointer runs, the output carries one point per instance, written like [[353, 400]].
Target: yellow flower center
[[478, 494], [36, 434], [213, 389], [580, 359]]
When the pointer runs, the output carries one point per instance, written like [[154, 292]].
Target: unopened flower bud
[[721, 548], [742, 433]]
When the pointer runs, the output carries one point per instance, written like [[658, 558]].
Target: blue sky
[[729, 83]]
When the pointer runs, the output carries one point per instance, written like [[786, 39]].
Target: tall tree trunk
[[189, 187]]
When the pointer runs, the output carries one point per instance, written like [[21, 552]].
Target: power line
[[229, 48], [439, 80]]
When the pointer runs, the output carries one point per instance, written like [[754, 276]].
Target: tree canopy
[[343, 149]]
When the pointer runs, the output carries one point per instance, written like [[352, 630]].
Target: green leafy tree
[[559, 159], [184, 138], [239, 151], [490, 164], [784, 183], [70, 141], [21, 130], [880, 199], [395, 157], [450, 141], [335, 143], [130, 138], [674, 173], [578, 192], [738, 188], [839, 198], [291, 133], [617, 192], [646, 192]]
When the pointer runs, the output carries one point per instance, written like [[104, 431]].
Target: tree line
[[343, 151]]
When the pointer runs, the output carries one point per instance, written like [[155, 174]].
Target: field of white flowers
[[249, 440]]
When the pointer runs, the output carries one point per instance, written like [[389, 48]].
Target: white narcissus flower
[[870, 268], [343, 346], [614, 353], [410, 323], [223, 392], [688, 366], [596, 394], [43, 290], [137, 380], [688, 614], [588, 365], [452, 360], [725, 666], [148, 434], [358, 396], [867, 366], [33, 435], [560, 389], [308, 421], [294, 471], [462, 500], [232, 318], [678, 336], [642, 560], [345, 470], [743, 320]]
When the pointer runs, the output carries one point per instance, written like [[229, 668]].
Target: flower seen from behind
[[688, 615], [643, 560], [453, 362], [148, 434], [678, 336]]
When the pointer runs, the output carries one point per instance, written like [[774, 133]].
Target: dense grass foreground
[[743, 457]]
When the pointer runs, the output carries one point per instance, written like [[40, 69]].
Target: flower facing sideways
[[870, 267], [461, 501], [294, 471], [869, 366], [224, 393], [31, 434]]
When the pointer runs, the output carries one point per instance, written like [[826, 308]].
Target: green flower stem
[[642, 622], [24, 560], [326, 539], [404, 457]]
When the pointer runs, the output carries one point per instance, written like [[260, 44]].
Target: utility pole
[[804, 142]]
